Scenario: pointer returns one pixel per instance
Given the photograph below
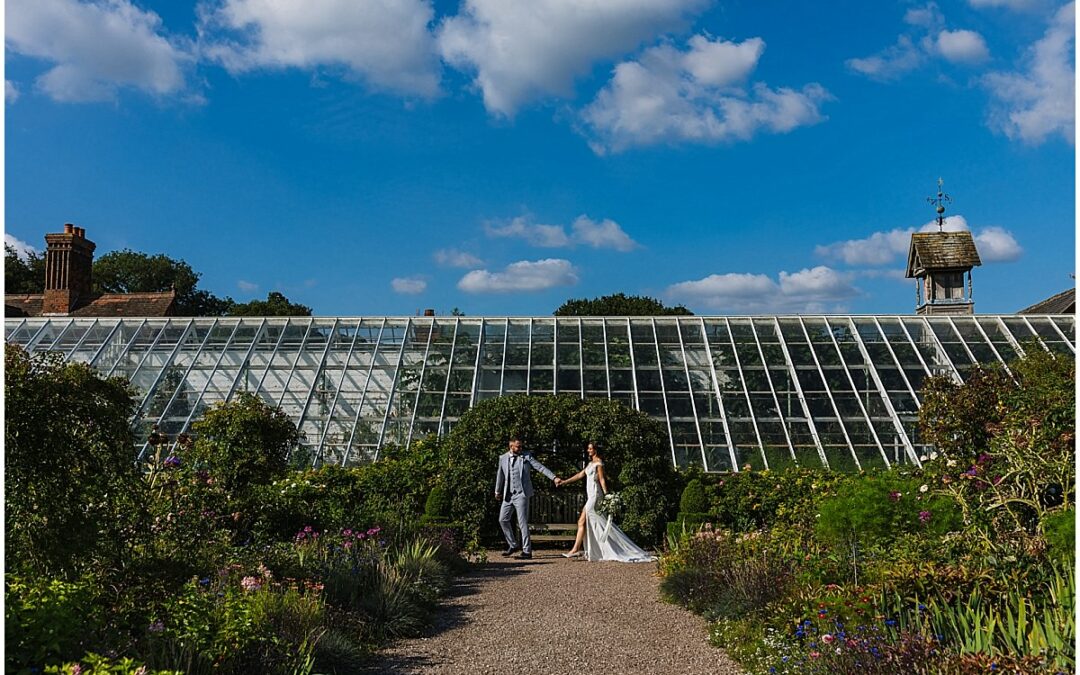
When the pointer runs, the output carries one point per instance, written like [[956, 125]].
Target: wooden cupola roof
[[941, 251]]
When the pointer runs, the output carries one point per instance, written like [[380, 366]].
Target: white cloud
[[11, 92], [817, 289], [1038, 101], [584, 231], [522, 227], [97, 48], [386, 43], [602, 234], [521, 276], [962, 46], [927, 38], [521, 51], [22, 249], [1010, 4], [451, 257], [670, 95], [408, 285], [247, 286], [890, 63], [880, 248], [995, 244]]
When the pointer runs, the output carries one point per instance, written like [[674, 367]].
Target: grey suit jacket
[[523, 467]]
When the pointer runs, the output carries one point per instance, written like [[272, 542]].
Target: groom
[[513, 486]]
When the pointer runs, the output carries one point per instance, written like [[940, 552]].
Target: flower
[[924, 487], [894, 496], [815, 655], [924, 516], [156, 627], [76, 669], [172, 461], [951, 462], [827, 638], [933, 455], [204, 581], [251, 583]]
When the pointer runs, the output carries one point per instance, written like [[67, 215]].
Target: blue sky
[[381, 157]]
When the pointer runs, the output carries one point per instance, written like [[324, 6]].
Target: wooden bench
[[554, 516]]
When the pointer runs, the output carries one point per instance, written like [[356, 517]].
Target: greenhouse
[[763, 391]]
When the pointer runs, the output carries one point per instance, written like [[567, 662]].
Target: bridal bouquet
[[610, 506]]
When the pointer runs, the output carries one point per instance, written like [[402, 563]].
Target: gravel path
[[571, 616]]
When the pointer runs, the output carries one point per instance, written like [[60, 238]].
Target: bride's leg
[[580, 533]]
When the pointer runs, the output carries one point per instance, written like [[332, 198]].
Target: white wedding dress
[[603, 538]]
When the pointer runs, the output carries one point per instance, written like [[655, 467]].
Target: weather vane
[[939, 202]]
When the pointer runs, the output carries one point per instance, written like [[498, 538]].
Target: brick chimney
[[69, 260]]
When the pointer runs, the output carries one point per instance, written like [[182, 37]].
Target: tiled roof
[[107, 304], [941, 250], [1062, 303]]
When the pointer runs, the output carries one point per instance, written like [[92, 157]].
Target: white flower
[[933, 455], [922, 458], [923, 488], [951, 462]]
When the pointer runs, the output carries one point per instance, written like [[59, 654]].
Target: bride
[[603, 540]]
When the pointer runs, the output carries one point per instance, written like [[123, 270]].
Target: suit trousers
[[520, 503]]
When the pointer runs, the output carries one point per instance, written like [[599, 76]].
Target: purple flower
[[172, 461], [76, 669], [894, 496], [157, 626], [924, 517]]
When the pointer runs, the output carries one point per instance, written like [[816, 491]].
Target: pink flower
[[815, 655], [76, 669], [827, 638], [251, 583], [924, 517], [894, 496]]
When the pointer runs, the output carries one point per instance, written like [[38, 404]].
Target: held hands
[[558, 481]]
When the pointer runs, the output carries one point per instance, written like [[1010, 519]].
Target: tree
[[23, 276], [129, 271], [620, 304], [74, 493], [275, 304], [635, 448]]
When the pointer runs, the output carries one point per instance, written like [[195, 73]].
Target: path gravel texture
[[553, 615]]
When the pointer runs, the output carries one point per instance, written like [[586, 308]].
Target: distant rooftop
[[1062, 303]]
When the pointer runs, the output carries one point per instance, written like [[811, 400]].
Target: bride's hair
[[596, 447]]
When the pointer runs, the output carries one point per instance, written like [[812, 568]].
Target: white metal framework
[[764, 392]]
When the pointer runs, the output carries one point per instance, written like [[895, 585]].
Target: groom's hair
[[515, 437]]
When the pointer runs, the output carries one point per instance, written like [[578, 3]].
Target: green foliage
[[634, 448], [243, 443], [620, 304], [276, 304], [74, 496], [1013, 461], [438, 505], [23, 276], [1060, 531], [686, 522], [878, 509], [128, 271], [96, 664], [46, 620], [694, 499]]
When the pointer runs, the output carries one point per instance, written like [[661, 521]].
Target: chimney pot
[[69, 228], [429, 312], [80, 232]]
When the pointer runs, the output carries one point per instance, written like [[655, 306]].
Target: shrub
[[74, 497], [694, 499], [96, 664], [878, 509], [634, 447], [243, 443], [438, 505], [1060, 530], [46, 621]]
